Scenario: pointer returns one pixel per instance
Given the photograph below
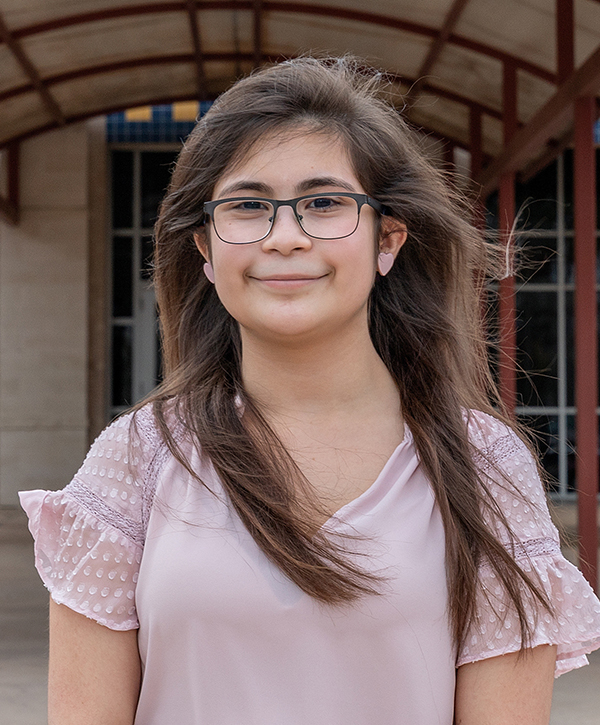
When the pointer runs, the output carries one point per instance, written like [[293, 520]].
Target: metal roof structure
[[62, 61]]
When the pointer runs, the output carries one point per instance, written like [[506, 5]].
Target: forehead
[[285, 159]]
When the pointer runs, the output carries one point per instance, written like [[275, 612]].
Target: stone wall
[[44, 317]]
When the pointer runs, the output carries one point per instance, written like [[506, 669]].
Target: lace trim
[[535, 547], [96, 506], [146, 425], [151, 482], [502, 449], [531, 549]]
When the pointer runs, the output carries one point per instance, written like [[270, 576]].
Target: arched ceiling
[[65, 60]]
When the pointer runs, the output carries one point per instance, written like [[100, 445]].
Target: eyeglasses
[[245, 220]]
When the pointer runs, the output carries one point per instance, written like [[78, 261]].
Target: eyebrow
[[303, 187], [245, 185], [310, 184]]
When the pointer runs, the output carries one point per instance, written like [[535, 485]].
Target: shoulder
[[131, 439], [493, 438], [117, 479], [502, 456], [510, 476]]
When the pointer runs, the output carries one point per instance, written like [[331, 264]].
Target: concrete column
[[43, 317]]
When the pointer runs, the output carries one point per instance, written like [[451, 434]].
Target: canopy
[[65, 60]]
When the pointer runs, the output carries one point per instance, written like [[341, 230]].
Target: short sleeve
[[575, 625], [89, 537]]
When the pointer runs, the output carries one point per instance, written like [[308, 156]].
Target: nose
[[286, 234]]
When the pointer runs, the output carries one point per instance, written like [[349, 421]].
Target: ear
[[392, 235], [201, 243]]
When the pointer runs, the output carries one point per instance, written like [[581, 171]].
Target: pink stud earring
[[209, 272], [385, 261]]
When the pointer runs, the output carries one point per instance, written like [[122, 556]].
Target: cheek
[[230, 265], [360, 262]]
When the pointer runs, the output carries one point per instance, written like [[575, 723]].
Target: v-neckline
[[372, 490]]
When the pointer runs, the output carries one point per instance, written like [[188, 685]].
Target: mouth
[[288, 280]]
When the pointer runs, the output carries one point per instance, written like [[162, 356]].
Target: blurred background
[[96, 97]]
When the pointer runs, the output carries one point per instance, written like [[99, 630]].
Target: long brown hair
[[424, 323]]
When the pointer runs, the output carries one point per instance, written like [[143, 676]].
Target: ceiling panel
[[381, 46], [492, 135], [472, 75], [430, 13], [533, 93], [221, 30], [22, 114], [587, 17], [132, 87], [22, 13], [108, 41], [11, 73], [441, 115], [523, 29]]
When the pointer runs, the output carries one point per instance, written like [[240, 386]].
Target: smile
[[288, 281]]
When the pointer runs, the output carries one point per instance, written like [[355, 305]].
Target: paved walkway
[[23, 644]]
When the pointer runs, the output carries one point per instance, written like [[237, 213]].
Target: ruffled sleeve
[[89, 537], [575, 625]]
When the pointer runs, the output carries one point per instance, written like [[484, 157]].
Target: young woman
[[318, 518]]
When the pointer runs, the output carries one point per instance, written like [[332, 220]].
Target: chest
[[216, 618], [201, 564], [341, 465]]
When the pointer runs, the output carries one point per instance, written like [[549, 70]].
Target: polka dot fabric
[[575, 626], [89, 536]]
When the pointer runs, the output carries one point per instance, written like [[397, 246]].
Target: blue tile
[[162, 127]]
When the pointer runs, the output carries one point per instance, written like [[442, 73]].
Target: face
[[289, 286]]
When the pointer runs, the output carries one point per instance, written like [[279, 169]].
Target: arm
[[506, 690], [94, 673]]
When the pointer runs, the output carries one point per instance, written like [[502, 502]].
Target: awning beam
[[258, 32], [360, 16], [9, 205], [31, 72], [435, 50], [565, 39], [197, 45], [548, 123]]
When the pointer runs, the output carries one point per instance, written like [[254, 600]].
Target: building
[[508, 93]]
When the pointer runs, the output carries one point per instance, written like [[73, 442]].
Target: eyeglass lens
[[241, 221]]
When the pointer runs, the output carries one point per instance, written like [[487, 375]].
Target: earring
[[209, 272], [385, 261]]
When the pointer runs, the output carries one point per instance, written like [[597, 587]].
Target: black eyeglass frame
[[360, 199]]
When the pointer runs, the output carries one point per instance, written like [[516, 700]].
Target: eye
[[323, 202], [250, 205]]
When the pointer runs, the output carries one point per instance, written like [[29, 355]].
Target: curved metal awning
[[65, 60]]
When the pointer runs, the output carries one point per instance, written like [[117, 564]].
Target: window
[[140, 176], [545, 324]]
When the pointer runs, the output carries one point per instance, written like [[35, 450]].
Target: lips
[[303, 276], [288, 281]]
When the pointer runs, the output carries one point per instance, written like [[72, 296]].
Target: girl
[[318, 518]]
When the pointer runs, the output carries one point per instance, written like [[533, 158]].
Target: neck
[[322, 376]]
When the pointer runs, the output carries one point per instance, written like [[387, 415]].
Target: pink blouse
[[225, 638]]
